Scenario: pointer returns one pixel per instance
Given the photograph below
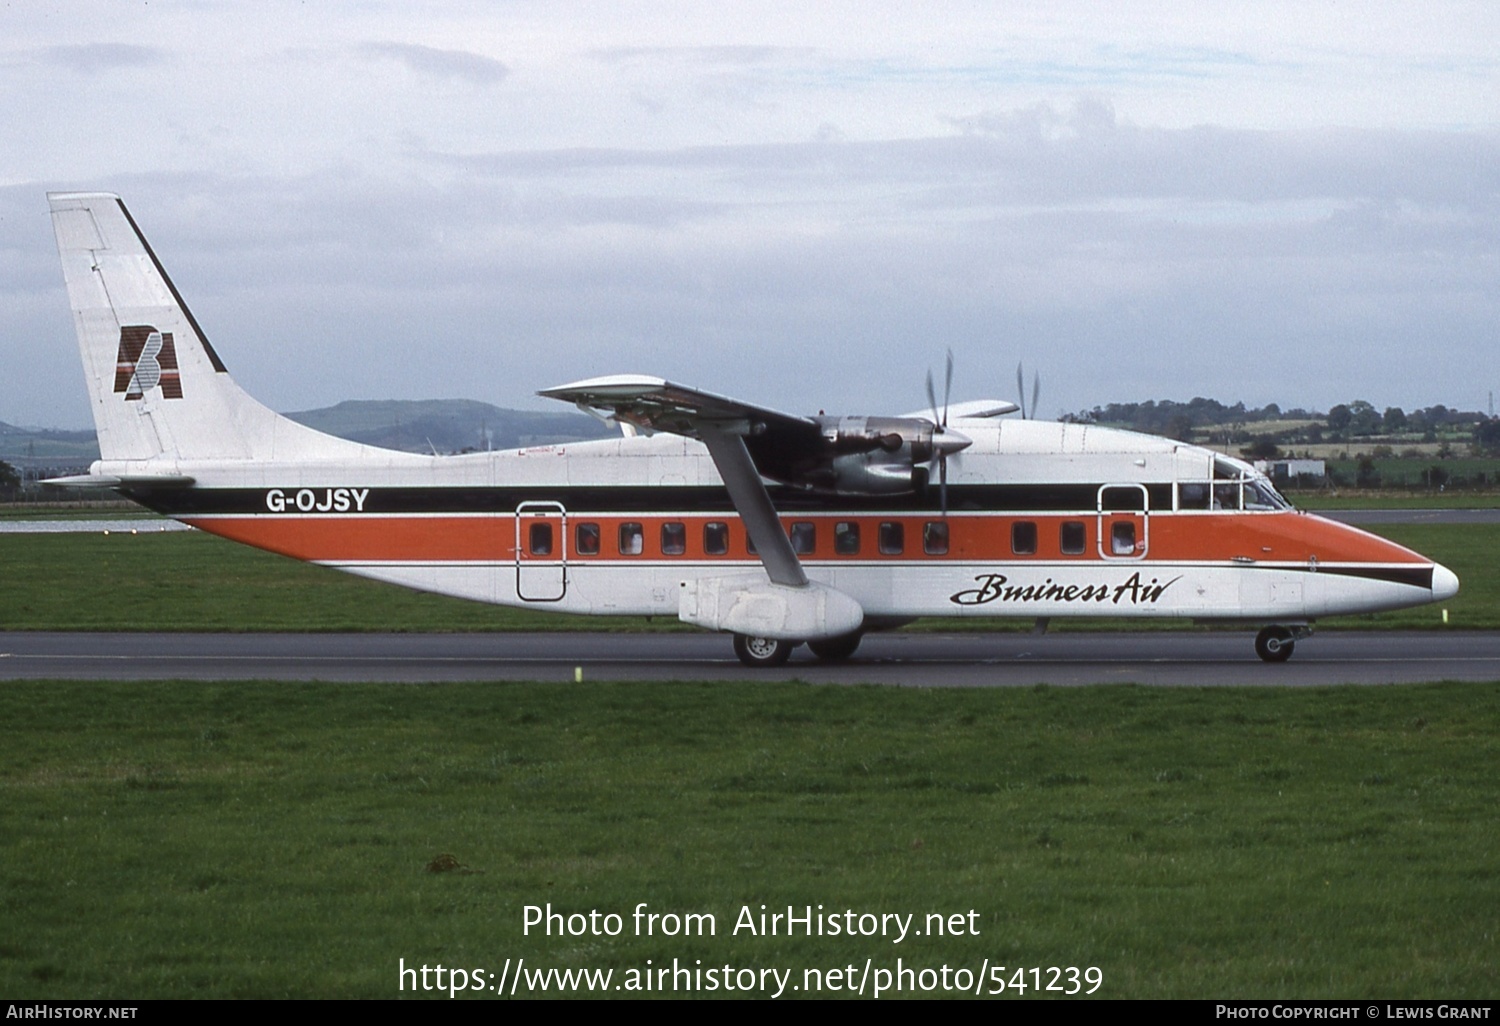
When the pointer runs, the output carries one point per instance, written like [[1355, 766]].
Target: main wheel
[[833, 650], [1274, 644], [762, 652]]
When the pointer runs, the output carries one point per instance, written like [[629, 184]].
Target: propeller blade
[[932, 400], [1036, 389], [1021, 390], [948, 388], [943, 484]]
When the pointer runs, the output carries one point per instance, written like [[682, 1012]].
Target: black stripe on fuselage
[[1416, 576], [185, 502]]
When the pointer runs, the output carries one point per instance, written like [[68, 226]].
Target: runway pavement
[[909, 659], [1375, 517]]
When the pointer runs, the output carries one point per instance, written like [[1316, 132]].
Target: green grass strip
[[271, 840]]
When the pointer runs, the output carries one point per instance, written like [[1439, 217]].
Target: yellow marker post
[[578, 670]]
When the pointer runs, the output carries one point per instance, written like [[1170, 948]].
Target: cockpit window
[[1237, 485], [1224, 470], [1261, 494], [1226, 495]]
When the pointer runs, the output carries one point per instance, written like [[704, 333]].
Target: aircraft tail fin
[[156, 386]]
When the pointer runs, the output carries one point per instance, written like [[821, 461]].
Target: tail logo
[[147, 358]]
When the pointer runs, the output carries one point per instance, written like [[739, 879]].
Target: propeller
[[943, 441], [1036, 391]]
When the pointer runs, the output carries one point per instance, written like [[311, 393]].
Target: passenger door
[[1123, 527], [541, 551]]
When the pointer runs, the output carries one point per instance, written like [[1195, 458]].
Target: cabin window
[[846, 538], [673, 539], [632, 539], [716, 538], [1072, 537], [935, 538], [1122, 538], [1193, 495], [1226, 495], [892, 538], [586, 540], [1023, 537], [804, 537], [539, 538]]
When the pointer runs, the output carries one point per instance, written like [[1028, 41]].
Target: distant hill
[[446, 425], [46, 447]]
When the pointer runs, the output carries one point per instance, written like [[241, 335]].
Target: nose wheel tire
[[1274, 644], [762, 652]]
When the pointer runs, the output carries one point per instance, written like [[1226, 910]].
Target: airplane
[[776, 528]]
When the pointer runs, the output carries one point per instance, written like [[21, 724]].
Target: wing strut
[[753, 503]]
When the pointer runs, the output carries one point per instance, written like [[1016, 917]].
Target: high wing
[[835, 455], [652, 404]]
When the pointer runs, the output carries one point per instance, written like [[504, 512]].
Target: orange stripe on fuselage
[[372, 538], [1185, 537], [1269, 537]]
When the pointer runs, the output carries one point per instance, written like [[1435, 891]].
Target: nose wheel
[[1274, 644]]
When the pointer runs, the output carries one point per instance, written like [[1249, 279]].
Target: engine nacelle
[[873, 455], [872, 473]]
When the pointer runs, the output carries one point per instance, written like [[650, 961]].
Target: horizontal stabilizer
[[120, 481]]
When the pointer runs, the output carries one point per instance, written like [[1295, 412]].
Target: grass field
[[268, 840], [195, 582], [1351, 498]]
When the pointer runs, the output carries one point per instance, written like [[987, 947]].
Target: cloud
[[1041, 156], [700, 55], [462, 65], [1123, 260], [93, 58]]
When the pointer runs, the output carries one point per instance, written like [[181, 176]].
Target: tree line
[[1345, 422]]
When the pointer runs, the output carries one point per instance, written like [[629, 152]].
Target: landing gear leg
[[762, 652], [1274, 644], [836, 650]]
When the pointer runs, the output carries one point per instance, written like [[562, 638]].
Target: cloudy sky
[[803, 205]]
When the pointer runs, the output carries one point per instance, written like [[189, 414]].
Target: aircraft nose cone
[[1444, 583]]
